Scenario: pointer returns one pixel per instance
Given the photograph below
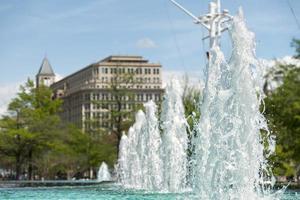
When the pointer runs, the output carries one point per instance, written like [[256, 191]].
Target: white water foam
[[140, 164], [230, 158], [103, 173], [174, 139]]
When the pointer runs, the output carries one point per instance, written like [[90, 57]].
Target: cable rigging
[[172, 30], [293, 13]]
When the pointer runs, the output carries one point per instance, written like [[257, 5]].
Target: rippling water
[[107, 192]]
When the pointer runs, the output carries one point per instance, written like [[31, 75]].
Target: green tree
[[32, 136], [191, 101], [296, 45], [100, 149], [283, 113], [31, 125], [65, 154], [13, 144]]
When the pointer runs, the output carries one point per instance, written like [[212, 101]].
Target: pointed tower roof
[[46, 68]]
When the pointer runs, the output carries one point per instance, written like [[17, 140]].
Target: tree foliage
[[28, 130], [120, 104], [35, 141], [296, 45], [283, 114]]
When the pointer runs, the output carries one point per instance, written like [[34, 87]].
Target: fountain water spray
[[140, 164], [103, 173], [150, 161], [174, 139], [152, 170], [230, 152], [230, 155], [122, 168]]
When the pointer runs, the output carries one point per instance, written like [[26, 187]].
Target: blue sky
[[75, 33]]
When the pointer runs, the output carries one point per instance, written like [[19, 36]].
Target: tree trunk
[[18, 166], [119, 129], [119, 137], [69, 175], [297, 173], [91, 173], [30, 177]]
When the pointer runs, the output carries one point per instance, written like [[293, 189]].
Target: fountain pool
[[101, 192], [230, 155]]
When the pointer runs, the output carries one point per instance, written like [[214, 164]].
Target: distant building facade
[[81, 90]]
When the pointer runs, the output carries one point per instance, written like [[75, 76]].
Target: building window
[[139, 97], [157, 97], [156, 71], [138, 71], [86, 106], [148, 97], [87, 115], [104, 106]]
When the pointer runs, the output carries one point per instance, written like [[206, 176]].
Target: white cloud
[[274, 63], [145, 43], [10, 90], [288, 60], [272, 67], [58, 77], [7, 92]]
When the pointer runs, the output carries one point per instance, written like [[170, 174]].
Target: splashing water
[[229, 148], [230, 152], [122, 168], [103, 173], [130, 156], [135, 165], [140, 164], [149, 161], [174, 139], [152, 169]]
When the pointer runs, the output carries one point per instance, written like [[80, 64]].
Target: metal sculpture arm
[[212, 21], [197, 20]]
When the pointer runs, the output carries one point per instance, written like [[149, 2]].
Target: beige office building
[[83, 89]]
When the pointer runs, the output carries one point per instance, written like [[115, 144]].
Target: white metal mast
[[215, 21]]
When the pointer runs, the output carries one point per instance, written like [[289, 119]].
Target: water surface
[[99, 192]]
